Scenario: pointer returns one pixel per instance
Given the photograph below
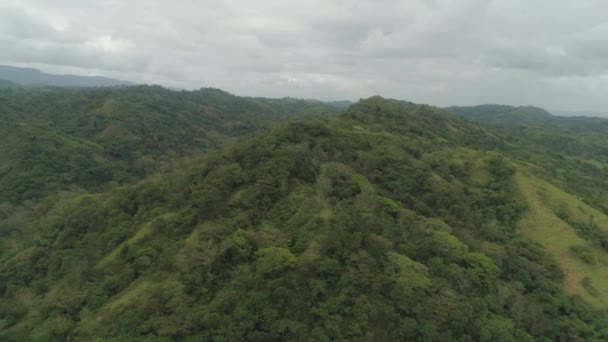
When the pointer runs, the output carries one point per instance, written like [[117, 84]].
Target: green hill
[[526, 117], [389, 221], [57, 138], [7, 84]]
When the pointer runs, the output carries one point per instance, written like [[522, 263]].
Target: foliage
[[392, 221], [66, 139]]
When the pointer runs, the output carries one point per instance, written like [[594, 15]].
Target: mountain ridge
[[389, 220], [502, 114], [35, 77]]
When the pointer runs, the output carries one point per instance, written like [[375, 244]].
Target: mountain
[[580, 113], [34, 77], [8, 84], [282, 219], [502, 114], [576, 136], [340, 104], [57, 138]]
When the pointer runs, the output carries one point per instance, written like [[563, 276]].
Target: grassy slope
[[543, 225]]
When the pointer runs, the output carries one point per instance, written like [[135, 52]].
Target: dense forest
[[141, 213]]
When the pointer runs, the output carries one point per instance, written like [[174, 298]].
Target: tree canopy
[[148, 214]]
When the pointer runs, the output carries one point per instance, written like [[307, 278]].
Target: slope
[[392, 221], [7, 84], [553, 219], [134, 130], [35, 161], [562, 172]]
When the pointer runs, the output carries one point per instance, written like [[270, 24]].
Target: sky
[[548, 53]]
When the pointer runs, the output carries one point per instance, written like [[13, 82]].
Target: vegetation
[[7, 84], [90, 139], [389, 221], [503, 115]]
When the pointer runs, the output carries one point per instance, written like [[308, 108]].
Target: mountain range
[[142, 213], [34, 77]]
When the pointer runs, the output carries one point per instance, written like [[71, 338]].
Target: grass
[[144, 230], [92, 323], [541, 224], [132, 294], [479, 173], [325, 214]]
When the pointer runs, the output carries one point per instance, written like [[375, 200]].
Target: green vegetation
[[244, 219], [7, 84], [503, 115], [562, 180], [57, 139]]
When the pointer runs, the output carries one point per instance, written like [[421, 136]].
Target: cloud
[[549, 53]]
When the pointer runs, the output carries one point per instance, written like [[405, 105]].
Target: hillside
[[389, 221], [34, 77], [54, 138], [7, 84], [562, 172]]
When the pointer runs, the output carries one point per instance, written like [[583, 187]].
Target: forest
[[147, 214]]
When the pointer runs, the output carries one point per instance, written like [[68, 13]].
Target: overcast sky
[[549, 53]]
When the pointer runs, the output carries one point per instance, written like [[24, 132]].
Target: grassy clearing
[[477, 160], [92, 323], [144, 230], [132, 294], [540, 223]]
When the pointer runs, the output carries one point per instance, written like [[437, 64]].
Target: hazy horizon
[[439, 52]]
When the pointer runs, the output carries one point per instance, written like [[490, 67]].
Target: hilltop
[[261, 219]]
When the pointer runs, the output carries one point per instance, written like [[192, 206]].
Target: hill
[[580, 113], [340, 104], [34, 77], [7, 84], [502, 115], [388, 221], [527, 117], [564, 190], [55, 139]]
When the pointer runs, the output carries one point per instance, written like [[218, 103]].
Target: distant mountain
[[528, 117], [340, 104], [580, 113], [7, 84], [34, 77], [494, 114]]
